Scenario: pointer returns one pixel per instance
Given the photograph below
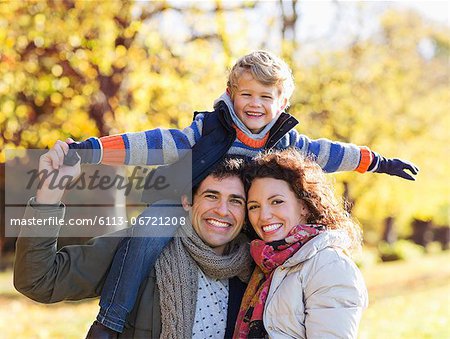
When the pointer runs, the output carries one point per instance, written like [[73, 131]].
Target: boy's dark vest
[[217, 138]]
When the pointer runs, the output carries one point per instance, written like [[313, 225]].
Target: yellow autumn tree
[[87, 68], [389, 92], [90, 68]]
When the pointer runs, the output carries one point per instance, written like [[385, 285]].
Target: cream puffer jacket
[[317, 293]]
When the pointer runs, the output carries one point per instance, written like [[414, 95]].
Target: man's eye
[[237, 201], [211, 196]]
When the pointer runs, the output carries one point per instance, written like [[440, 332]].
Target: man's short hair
[[228, 167]]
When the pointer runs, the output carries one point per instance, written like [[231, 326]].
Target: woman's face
[[274, 209]]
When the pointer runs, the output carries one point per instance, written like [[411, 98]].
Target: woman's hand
[[56, 174]]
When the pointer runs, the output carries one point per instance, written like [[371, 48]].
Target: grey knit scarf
[[177, 276]]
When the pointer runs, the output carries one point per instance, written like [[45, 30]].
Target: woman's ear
[[304, 210], [186, 203]]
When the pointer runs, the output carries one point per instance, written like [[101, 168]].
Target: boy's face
[[257, 104]]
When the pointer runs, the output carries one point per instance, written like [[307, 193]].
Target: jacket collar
[[284, 124], [224, 115]]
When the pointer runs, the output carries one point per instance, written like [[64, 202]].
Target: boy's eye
[[267, 97], [245, 94]]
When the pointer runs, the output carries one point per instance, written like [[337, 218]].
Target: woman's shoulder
[[329, 245], [334, 257], [324, 257], [332, 267]]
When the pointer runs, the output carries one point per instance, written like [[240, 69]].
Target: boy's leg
[[134, 259]]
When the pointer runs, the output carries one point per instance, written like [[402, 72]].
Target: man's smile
[[218, 223]]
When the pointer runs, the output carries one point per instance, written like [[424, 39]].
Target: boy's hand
[[398, 168], [51, 191]]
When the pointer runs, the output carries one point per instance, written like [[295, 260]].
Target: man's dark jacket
[[77, 272]]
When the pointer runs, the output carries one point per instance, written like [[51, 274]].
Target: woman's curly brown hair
[[308, 182]]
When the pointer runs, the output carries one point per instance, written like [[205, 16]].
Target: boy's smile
[[257, 104]]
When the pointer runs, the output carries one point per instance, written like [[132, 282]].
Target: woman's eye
[[277, 202], [251, 207]]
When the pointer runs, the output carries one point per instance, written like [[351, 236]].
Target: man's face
[[256, 104], [218, 210]]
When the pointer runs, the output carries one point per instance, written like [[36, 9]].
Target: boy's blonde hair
[[265, 67]]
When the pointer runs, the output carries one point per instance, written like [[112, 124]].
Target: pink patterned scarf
[[268, 256]]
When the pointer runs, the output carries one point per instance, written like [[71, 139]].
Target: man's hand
[[53, 161], [398, 168]]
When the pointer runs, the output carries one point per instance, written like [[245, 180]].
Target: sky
[[321, 25], [435, 10], [329, 24], [318, 17]]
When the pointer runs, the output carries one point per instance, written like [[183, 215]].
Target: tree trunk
[[422, 232], [389, 234]]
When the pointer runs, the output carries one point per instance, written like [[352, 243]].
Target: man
[[196, 287]]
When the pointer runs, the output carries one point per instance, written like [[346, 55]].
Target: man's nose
[[221, 208]]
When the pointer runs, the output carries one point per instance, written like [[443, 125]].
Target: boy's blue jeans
[[134, 259]]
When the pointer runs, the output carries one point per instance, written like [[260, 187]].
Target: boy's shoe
[[100, 331]]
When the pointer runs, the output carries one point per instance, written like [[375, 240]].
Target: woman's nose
[[265, 213]]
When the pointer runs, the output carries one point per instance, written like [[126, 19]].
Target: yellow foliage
[[104, 67], [386, 95]]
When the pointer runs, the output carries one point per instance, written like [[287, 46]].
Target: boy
[[247, 119]]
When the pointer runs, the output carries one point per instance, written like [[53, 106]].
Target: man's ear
[[186, 203]]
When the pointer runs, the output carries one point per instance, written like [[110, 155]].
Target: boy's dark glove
[[395, 167], [82, 151], [72, 157]]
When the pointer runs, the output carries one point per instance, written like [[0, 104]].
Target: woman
[[304, 285]]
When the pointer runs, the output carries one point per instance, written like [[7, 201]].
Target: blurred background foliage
[[93, 68]]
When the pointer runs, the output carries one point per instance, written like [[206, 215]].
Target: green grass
[[407, 300], [21, 317], [414, 314]]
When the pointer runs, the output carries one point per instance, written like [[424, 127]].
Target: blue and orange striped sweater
[[162, 146]]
